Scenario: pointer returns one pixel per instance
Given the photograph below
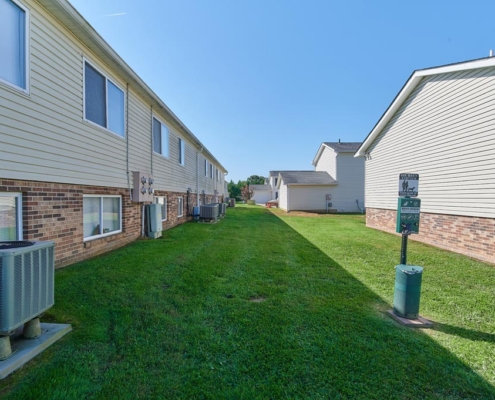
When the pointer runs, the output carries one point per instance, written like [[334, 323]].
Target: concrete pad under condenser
[[419, 322], [25, 350]]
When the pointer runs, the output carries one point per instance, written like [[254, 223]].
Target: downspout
[[151, 166], [197, 176], [127, 142]]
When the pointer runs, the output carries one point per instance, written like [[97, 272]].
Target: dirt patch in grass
[[257, 299]]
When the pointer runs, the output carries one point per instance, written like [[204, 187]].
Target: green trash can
[[407, 290]]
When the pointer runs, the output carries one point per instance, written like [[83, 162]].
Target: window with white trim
[[206, 167], [180, 207], [160, 138], [14, 55], [218, 174], [211, 171], [10, 216], [102, 216], [162, 200], [103, 101], [182, 151]]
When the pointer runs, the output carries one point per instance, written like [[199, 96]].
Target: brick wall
[[54, 211], [471, 236]]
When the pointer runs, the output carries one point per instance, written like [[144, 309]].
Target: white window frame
[[164, 204], [182, 152], [163, 125], [26, 50], [105, 75], [206, 167], [180, 206], [18, 205], [211, 171], [89, 238]]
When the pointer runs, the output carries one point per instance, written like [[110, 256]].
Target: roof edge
[[408, 88]]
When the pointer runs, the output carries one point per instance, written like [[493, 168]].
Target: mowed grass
[[265, 305]]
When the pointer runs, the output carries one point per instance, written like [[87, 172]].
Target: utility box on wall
[[143, 187]]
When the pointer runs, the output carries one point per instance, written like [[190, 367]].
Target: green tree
[[255, 180], [235, 189]]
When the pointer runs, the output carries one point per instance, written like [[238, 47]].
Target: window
[[14, 24], [10, 216], [101, 216], [163, 202], [103, 101], [160, 138], [276, 180], [180, 206], [206, 167], [181, 152], [211, 171], [218, 174]]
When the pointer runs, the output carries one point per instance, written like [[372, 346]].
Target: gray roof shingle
[[343, 147], [307, 178], [260, 187]]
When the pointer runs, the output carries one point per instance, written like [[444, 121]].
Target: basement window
[[102, 216], [10, 216], [180, 206], [162, 200]]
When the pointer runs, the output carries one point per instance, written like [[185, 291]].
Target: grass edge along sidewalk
[[265, 305]]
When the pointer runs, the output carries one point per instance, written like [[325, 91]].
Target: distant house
[[336, 184], [261, 193], [268, 191], [441, 125], [305, 190]]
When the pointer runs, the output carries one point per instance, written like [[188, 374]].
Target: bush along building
[[81, 135]]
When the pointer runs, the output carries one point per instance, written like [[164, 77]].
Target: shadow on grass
[[174, 318], [464, 333]]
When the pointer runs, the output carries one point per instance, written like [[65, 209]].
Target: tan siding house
[[441, 126], [75, 122]]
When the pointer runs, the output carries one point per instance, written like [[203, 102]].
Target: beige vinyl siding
[[139, 132], [169, 174], [308, 198], [445, 132], [327, 162], [42, 134]]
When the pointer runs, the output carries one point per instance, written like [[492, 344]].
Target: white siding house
[[261, 193], [441, 125], [75, 122], [337, 158], [336, 184]]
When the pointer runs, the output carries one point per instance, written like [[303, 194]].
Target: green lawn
[[265, 305]]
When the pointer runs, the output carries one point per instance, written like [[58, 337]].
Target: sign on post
[[408, 185], [408, 211]]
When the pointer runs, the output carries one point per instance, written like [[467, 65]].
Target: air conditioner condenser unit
[[27, 272]]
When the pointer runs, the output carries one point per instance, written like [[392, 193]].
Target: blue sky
[[263, 83]]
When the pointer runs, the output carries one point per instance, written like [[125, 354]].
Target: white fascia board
[[318, 154], [410, 85]]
